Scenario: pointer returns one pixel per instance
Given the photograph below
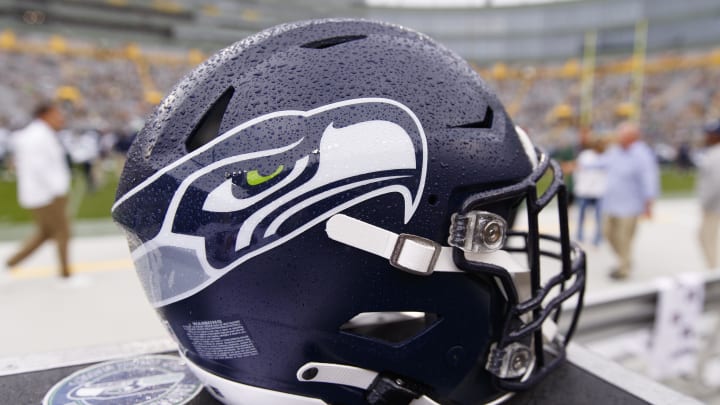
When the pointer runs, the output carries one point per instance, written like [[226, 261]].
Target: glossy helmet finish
[[263, 203]]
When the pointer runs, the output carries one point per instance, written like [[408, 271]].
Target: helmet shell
[[270, 101]]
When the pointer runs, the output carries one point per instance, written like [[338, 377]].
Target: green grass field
[[675, 182], [85, 205]]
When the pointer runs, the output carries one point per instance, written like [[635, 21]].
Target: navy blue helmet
[[325, 213]]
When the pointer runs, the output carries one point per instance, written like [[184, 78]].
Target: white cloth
[[42, 170], [708, 184], [590, 176]]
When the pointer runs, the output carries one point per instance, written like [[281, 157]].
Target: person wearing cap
[[708, 188]]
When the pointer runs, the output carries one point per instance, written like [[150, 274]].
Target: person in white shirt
[[708, 187], [43, 181], [590, 181]]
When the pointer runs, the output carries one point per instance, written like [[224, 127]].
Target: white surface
[[240, 394], [675, 339], [39, 314], [338, 374]]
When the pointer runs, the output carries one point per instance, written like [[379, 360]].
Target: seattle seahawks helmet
[[325, 213]]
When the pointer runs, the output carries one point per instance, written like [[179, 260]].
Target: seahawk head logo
[[265, 182]]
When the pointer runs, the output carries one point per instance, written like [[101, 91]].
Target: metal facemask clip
[[512, 361], [477, 232]]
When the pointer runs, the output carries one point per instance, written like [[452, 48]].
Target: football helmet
[[323, 213]]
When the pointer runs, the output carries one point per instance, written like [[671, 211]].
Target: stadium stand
[[107, 87], [680, 94], [122, 84], [121, 56]]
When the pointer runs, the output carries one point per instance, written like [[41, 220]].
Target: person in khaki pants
[[708, 187], [633, 183], [43, 180]]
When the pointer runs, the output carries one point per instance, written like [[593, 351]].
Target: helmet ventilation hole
[[390, 327], [486, 122], [209, 126], [329, 42]]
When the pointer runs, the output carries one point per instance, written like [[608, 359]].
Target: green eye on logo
[[254, 178]]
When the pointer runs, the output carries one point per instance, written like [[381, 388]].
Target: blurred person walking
[[708, 188], [684, 160], [633, 183], [84, 150], [590, 183], [43, 181]]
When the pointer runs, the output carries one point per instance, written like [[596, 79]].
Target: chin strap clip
[[391, 390], [380, 389], [410, 253]]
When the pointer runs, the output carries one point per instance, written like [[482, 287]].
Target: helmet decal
[[265, 194]]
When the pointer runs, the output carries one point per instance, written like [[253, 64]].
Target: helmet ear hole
[[209, 126], [390, 327]]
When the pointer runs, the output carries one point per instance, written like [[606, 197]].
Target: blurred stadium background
[[114, 59], [562, 68]]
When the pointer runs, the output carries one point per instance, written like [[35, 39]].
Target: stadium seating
[[111, 87]]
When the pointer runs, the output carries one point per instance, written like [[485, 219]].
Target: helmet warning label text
[[218, 340]]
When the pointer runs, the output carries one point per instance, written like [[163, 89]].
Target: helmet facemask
[[534, 316]]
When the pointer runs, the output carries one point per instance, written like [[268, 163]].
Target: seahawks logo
[[265, 182], [143, 380]]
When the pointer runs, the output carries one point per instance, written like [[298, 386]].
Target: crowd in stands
[[104, 99], [108, 95], [677, 99]]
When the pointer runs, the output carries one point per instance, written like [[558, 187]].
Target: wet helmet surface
[[307, 205]]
